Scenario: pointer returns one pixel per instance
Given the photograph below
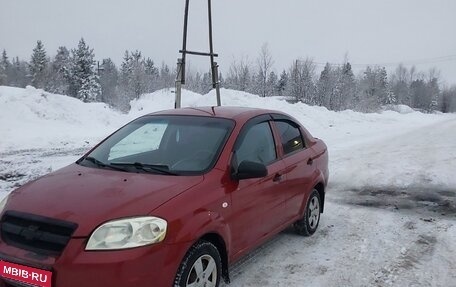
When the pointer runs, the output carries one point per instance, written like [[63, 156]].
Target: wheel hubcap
[[203, 273], [314, 212]]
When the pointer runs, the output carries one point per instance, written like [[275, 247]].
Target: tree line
[[76, 73]]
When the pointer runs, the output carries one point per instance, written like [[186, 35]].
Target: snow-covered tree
[[109, 77], [345, 87], [325, 87], [152, 76], [4, 67], [420, 97], [373, 89], [206, 83], [382, 86], [448, 100], [138, 78], [434, 93], [18, 73], [167, 77], [133, 76], [400, 85], [301, 84], [282, 83], [239, 76], [83, 80], [58, 83], [39, 66], [264, 68], [271, 84]]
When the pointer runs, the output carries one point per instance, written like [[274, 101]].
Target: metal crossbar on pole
[[181, 62]]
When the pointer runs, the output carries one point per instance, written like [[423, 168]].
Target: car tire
[[203, 258], [308, 224]]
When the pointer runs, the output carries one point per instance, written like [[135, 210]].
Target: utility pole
[[180, 78]]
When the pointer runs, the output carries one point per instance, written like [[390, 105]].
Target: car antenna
[[180, 77]]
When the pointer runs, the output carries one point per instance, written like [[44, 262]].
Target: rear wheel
[[308, 224], [201, 267]]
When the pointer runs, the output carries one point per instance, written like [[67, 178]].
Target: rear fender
[[320, 180]]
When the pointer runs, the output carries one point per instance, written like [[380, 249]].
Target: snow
[[390, 213]]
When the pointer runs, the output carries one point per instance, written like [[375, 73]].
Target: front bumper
[[154, 265]]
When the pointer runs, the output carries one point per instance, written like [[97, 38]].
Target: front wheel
[[201, 267], [308, 224]]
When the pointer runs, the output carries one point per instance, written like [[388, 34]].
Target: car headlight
[[3, 203], [127, 233]]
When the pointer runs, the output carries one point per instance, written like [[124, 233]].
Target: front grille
[[10, 283], [40, 234]]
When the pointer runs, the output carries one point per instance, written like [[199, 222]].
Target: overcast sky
[[368, 31]]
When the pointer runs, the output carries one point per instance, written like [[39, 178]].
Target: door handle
[[310, 161], [277, 177]]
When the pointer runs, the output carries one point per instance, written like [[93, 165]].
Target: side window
[[257, 145], [290, 136]]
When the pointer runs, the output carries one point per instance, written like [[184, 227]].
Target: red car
[[170, 199]]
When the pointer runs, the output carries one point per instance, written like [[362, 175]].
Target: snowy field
[[391, 211]]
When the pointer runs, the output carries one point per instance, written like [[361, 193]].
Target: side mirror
[[249, 169]]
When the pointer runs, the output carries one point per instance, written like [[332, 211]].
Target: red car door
[[298, 159], [257, 204]]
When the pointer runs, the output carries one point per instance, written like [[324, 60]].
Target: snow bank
[[31, 118], [338, 129]]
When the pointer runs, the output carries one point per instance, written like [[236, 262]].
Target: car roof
[[235, 113]]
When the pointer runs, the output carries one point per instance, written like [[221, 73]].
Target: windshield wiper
[[102, 164], [161, 168]]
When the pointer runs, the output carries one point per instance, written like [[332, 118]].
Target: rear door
[[300, 168]]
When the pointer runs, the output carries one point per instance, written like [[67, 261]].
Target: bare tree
[[301, 84], [239, 77], [264, 64]]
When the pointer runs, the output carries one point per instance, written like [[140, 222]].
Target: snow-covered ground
[[391, 211]]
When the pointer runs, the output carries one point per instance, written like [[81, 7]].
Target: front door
[[258, 204]]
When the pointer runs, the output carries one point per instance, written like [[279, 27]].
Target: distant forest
[[75, 73]]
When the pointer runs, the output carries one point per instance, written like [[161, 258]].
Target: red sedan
[[170, 199]]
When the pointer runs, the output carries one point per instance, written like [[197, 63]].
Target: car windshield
[[169, 145]]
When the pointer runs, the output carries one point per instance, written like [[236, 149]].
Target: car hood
[[91, 196]]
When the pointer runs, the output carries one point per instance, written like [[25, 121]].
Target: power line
[[448, 58]]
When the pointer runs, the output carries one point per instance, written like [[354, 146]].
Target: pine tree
[[134, 78], [271, 84], [82, 78], [282, 83], [434, 94], [167, 78], [346, 86], [382, 86], [325, 87], [109, 77], [39, 66], [18, 73], [59, 66], [152, 75], [4, 67], [206, 83]]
